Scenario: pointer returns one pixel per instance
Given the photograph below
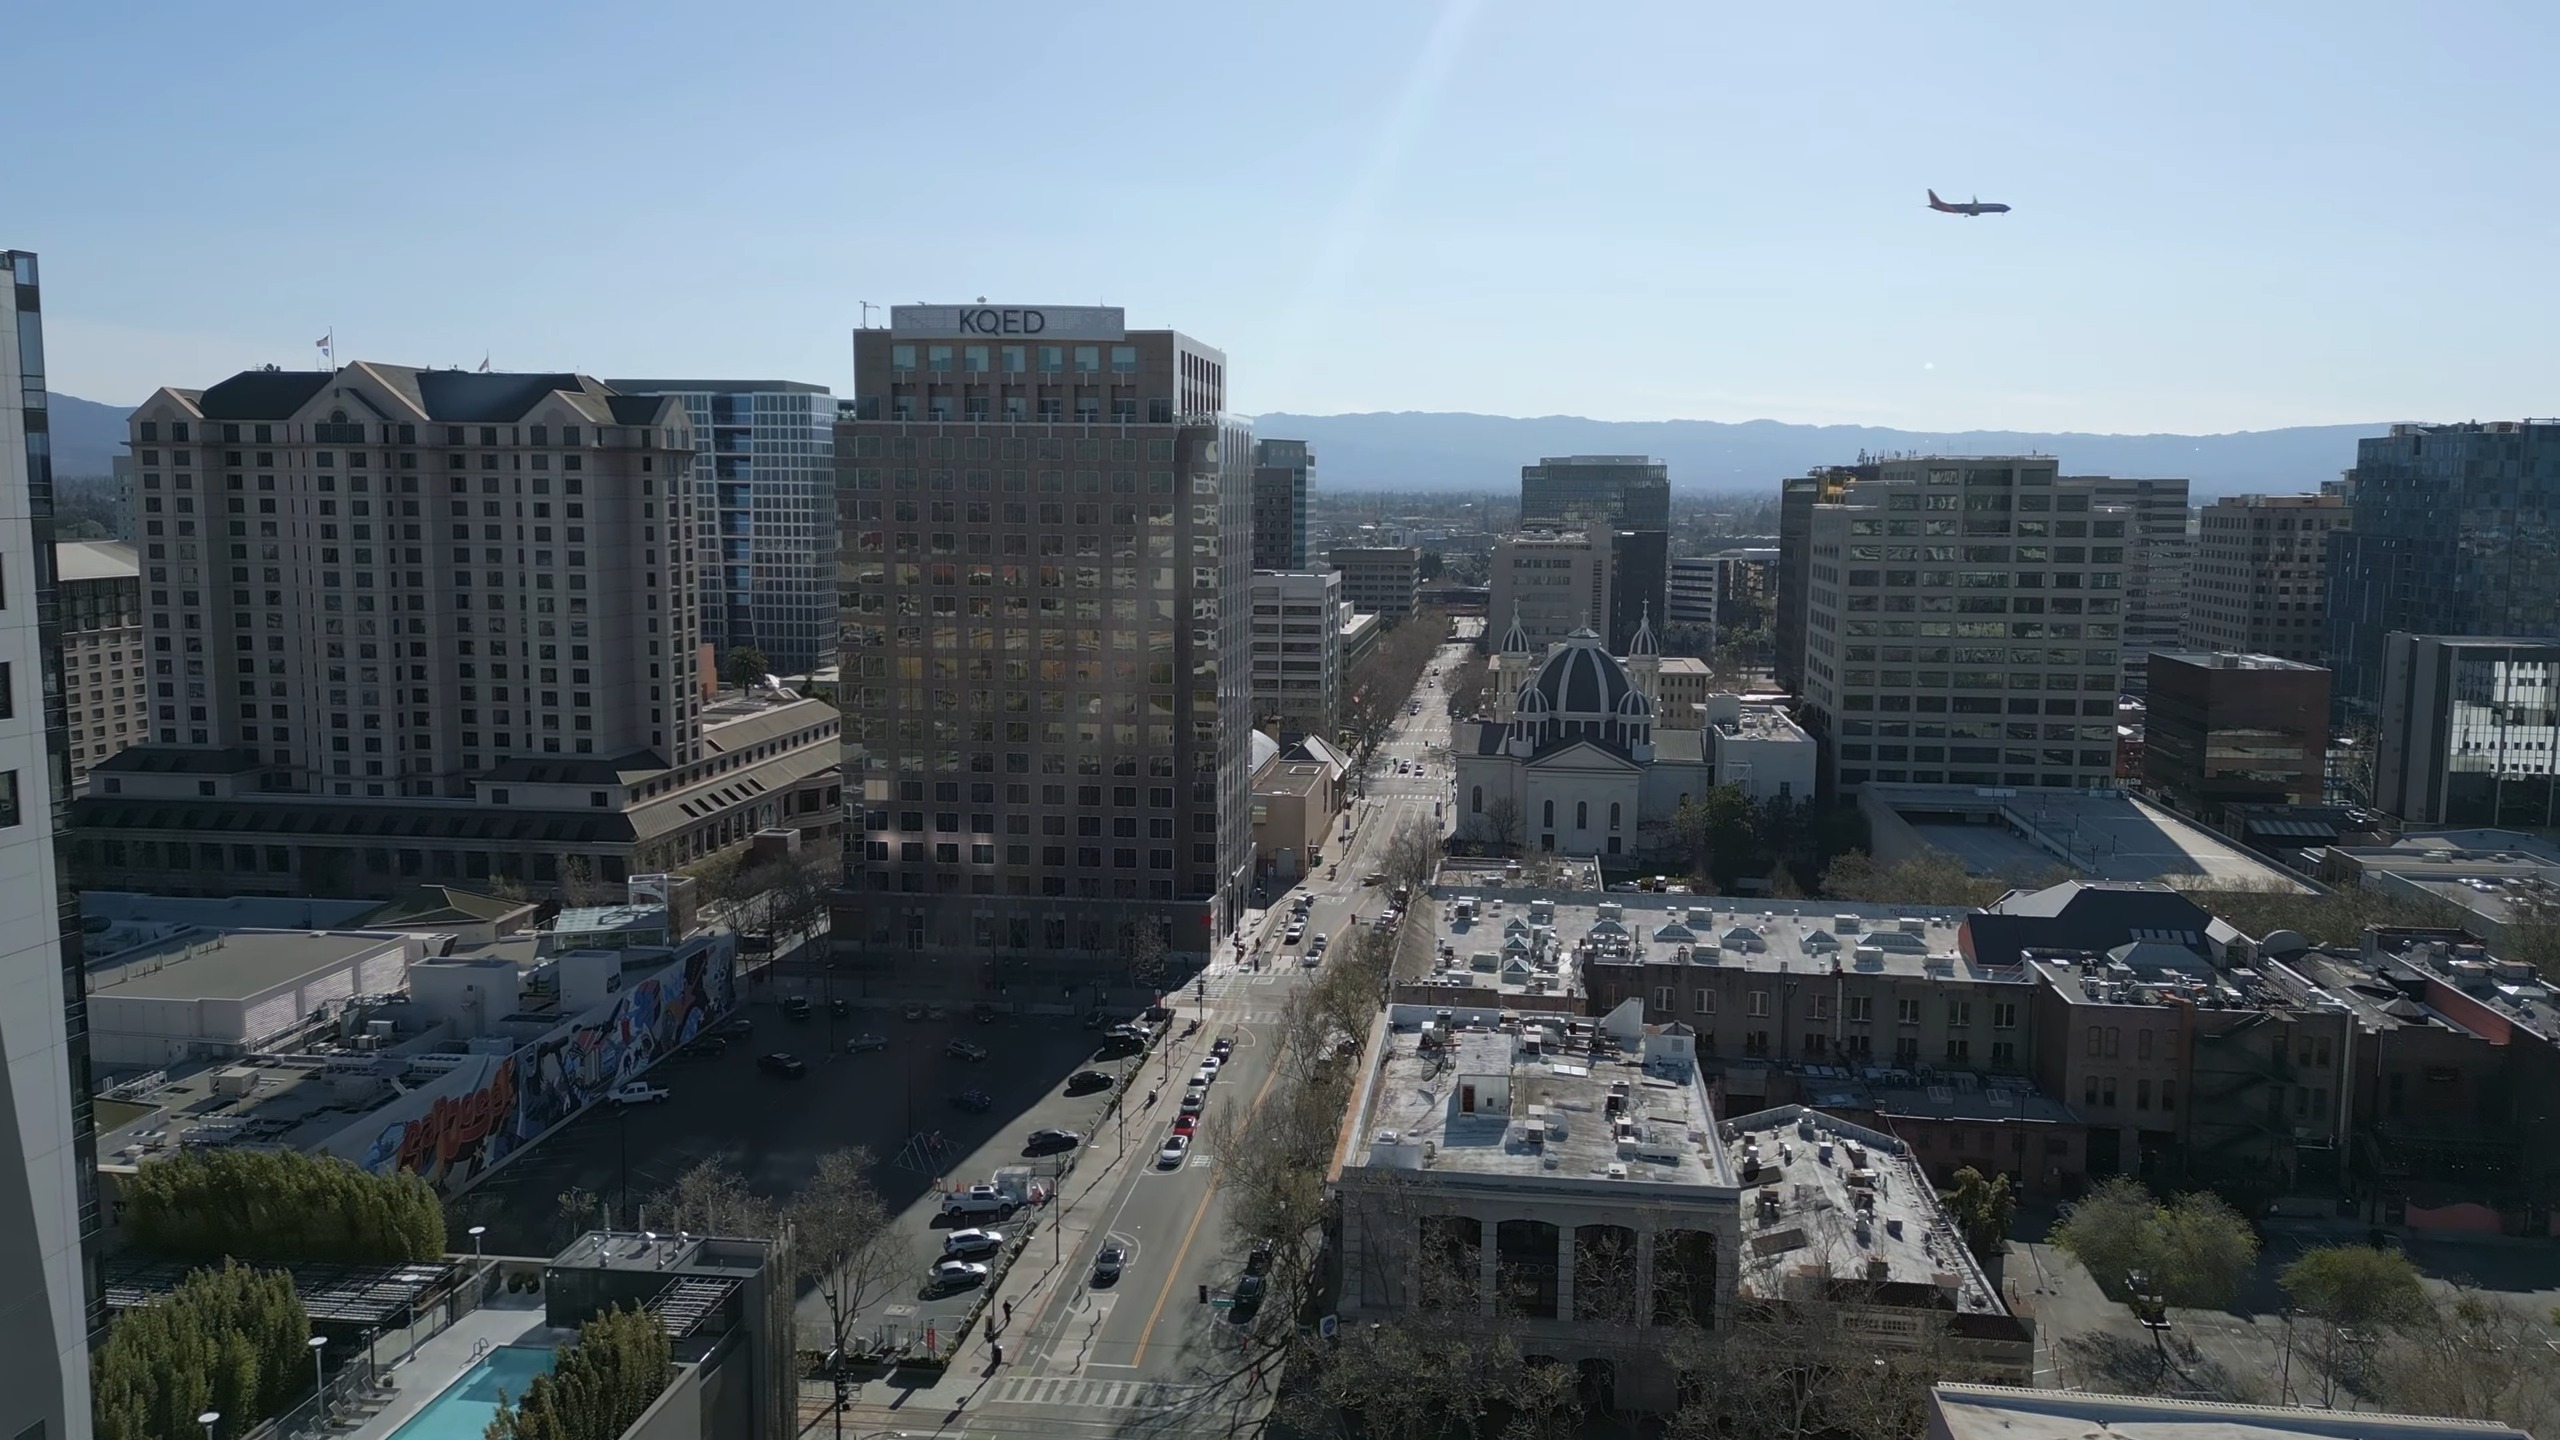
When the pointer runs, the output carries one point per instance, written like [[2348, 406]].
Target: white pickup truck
[[978, 1200], [636, 1092]]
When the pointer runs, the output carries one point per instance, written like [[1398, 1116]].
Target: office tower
[[410, 625], [1963, 626], [1046, 646], [1693, 590], [2470, 731], [50, 1300], [2156, 569], [1797, 497], [2224, 729], [1383, 580], [2451, 530], [1550, 583], [100, 584], [764, 495], [122, 524], [1628, 495], [1297, 652], [2260, 581], [1284, 474]]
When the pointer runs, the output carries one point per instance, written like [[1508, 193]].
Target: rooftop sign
[[1049, 322]]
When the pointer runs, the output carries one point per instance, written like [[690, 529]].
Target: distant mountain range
[[1417, 450], [87, 436]]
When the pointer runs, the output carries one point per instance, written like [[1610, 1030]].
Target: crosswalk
[[1076, 1391]]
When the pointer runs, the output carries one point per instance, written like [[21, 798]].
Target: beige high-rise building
[[407, 625], [2260, 584], [1964, 625], [2157, 567], [100, 585], [1383, 580], [1552, 582], [1297, 651]]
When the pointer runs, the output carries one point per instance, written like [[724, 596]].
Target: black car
[[1108, 1265], [973, 1101], [1085, 1082], [736, 1025], [796, 1008], [1248, 1298], [983, 1013], [841, 1009], [789, 1067], [1157, 1014], [1049, 1142], [1114, 1046], [704, 1047], [1259, 1261]]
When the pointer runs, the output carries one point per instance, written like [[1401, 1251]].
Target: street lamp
[[319, 1387], [208, 1420], [476, 1232]]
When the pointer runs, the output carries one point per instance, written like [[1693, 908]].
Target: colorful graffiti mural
[[465, 1132]]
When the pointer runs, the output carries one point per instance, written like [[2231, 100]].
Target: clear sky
[[2229, 216]]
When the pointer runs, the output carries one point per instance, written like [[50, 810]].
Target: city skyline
[[2210, 233]]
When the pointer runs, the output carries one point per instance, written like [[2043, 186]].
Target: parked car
[[983, 1013], [1211, 1064], [978, 1200], [1185, 1124], [736, 1025], [636, 1092], [915, 1012], [959, 1275], [796, 1008], [1222, 1047], [1085, 1082], [1095, 1020], [936, 1012], [1194, 1101], [1247, 1299], [704, 1047], [1049, 1142], [1156, 1014], [1202, 1078], [788, 1066], [1176, 1146], [841, 1009], [976, 1102], [866, 1041], [968, 1244], [1259, 1261], [1108, 1265], [963, 1050]]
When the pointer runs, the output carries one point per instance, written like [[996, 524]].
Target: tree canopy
[[745, 666], [229, 1339], [596, 1387], [281, 1205], [2193, 1251]]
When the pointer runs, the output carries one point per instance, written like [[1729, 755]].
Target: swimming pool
[[466, 1407]]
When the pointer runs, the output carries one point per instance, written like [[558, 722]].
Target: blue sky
[[2228, 216]]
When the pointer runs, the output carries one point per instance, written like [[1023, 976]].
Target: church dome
[[1515, 641], [1583, 680]]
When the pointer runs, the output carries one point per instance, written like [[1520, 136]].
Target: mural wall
[[471, 1120]]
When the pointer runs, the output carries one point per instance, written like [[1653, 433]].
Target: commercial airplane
[[1976, 207]]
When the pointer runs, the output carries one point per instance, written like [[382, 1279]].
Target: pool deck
[[505, 1320]]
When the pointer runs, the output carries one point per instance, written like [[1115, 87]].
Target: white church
[[1573, 760]]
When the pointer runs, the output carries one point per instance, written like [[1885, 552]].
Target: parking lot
[[771, 1130]]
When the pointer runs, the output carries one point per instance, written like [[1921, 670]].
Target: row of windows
[[1015, 359]]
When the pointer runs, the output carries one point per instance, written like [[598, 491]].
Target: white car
[[1175, 1148], [1316, 941], [636, 1092], [961, 1244]]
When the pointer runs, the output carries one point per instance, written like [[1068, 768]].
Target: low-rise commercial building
[[1759, 750], [2499, 879], [1564, 1181], [2221, 729], [1297, 790], [1685, 681], [726, 1304], [2002, 1412]]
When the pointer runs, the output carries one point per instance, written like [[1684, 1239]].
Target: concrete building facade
[[2228, 729], [2260, 579], [764, 489], [2470, 731], [1380, 580], [100, 584], [51, 1301], [1045, 674], [2157, 566], [1692, 600], [1628, 496], [1797, 497], [1297, 651], [1284, 480], [1965, 624], [1551, 583], [409, 624]]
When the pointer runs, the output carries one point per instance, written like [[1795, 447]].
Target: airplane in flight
[[1974, 208]]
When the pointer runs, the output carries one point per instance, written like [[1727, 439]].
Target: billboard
[[970, 322]]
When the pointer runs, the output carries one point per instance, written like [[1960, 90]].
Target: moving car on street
[[1176, 1147], [1108, 1265]]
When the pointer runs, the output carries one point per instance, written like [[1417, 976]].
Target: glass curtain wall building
[[2470, 731], [50, 1301], [764, 487]]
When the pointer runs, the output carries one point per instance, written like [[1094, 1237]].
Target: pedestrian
[[1008, 1312]]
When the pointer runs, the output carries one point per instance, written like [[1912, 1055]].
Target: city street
[[1082, 1358]]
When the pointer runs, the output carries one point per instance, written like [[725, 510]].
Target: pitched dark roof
[[2079, 916], [572, 770], [294, 816], [152, 760], [637, 409], [464, 397], [263, 394]]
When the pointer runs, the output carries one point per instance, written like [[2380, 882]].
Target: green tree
[[745, 666], [1982, 1209], [2195, 1251], [229, 1339], [597, 1387], [2357, 1286], [280, 1205], [2207, 1252]]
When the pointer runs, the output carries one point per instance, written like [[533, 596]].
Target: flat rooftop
[[2232, 660], [2105, 835], [1823, 1199], [1949, 1095], [1762, 723], [200, 964], [1772, 936], [1510, 957], [1546, 1105], [2001, 1412]]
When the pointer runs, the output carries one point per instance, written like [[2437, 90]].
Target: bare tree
[[2474, 1356], [578, 883], [1413, 854], [709, 1198], [844, 1241], [1502, 822]]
